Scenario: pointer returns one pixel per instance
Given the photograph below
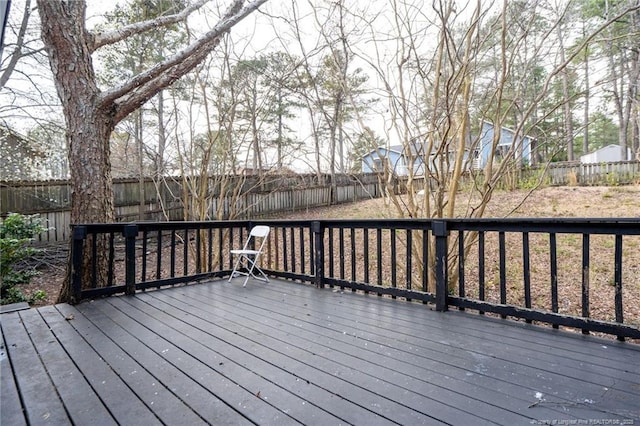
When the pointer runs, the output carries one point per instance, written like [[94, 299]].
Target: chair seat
[[254, 252], [250, 256]]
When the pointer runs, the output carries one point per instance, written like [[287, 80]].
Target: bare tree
[[568, 111], [90, 113], [24, 71], [439, 94], [17, 52]]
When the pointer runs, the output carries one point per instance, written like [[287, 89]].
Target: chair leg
[[235, 268], [261, 273], [248, 274], [251, 266], [254, 266]]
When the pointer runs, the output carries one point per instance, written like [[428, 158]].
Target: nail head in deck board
[[288, 333]]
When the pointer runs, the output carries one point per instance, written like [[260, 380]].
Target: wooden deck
[[284, 353]]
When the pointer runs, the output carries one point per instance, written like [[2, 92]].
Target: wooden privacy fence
[[269, 194], [164, 200], [579, 273], [617, 173]]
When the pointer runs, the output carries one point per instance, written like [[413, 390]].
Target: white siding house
[[607, 154]]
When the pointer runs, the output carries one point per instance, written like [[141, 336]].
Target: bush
[[16, 233], [532, 178]]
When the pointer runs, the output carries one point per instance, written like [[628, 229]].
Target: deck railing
[[579, 273]]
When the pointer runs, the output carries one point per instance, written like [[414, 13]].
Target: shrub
[[532, 178], [16, 233]]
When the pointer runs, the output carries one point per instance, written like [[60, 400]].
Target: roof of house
[[602, 148]]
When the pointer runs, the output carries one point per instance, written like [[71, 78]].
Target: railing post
[[440, 232], [130, 233], [250, 226], [77, 252], [318, 247]]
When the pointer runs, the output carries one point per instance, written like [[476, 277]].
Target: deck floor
[[284, 353]]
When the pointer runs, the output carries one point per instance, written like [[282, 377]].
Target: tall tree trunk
[[585, 142], [632, 101], [139, 145], [568, 119], [635, 85], [621, 105], [162, 138], [88, 126], [91, 115], [616, 77], [280, 138]]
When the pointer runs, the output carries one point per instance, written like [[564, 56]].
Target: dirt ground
[[592, 202]]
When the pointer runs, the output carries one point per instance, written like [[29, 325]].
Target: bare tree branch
[[17, 53], [144, 86], [103, 39]]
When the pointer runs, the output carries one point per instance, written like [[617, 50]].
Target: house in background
[[400, 161], [396, 158], [507, 139], [21, 158], [608, 154]]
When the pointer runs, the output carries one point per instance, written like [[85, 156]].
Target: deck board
[[407, 336], [10, 406], [308, 364], [236, 352], [338, 353], [40, 400], [223, 374], [80, 402], [284, 353], [116, 396], [403, 350]]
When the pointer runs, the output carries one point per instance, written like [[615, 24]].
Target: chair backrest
[[258, 231]]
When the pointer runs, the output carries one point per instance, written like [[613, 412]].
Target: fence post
[[130, 233], [440, 232], [318, 247], [77, 252]]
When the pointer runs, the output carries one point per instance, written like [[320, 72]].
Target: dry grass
[[591, 201]]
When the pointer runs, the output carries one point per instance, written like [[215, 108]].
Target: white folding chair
[[251, 256]]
